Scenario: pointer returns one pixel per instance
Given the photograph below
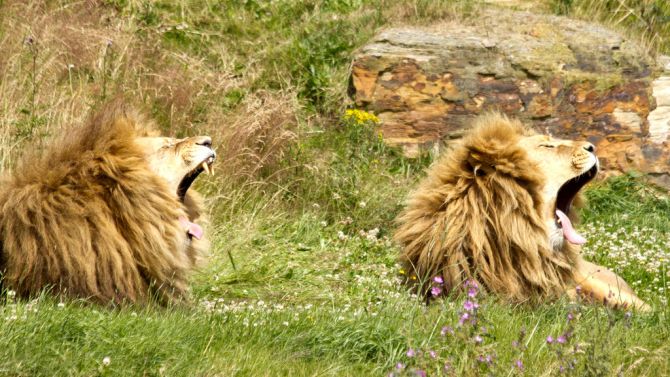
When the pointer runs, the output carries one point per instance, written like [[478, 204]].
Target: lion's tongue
[[192, 228], [568, 231]]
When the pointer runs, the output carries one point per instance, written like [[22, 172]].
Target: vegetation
[[303, 277], [649, 20]]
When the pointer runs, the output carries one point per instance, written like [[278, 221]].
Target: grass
[[647, 20], [302, 279]]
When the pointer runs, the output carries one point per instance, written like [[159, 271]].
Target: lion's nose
[[589, 147], [205, 141]]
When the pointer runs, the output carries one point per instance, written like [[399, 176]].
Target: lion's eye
[[547, 146]]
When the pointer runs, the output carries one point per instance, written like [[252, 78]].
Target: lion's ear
[[491, 133], [478, 165], [492, 145]]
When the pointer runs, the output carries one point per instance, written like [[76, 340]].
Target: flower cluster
[[14, 310], [466, 339], [360, 117], [565, 346], [641, 252], [640, 246], [371, 235]]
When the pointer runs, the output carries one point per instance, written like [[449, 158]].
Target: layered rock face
[[565, 77]]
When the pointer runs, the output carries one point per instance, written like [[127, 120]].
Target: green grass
[[303, 278], [304, 299]]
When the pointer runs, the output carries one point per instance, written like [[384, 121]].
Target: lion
[[498, 209], [105, 213]]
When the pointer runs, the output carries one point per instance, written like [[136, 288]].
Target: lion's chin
[[556, 238]]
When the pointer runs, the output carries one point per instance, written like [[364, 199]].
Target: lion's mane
[[477, 215], [87, 218]]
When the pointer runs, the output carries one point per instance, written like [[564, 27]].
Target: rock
[[664, 62], [565, 77]]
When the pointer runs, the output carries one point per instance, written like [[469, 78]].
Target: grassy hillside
[[302, 278]]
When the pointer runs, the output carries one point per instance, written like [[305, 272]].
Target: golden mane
[[88, 218], [478, 215]]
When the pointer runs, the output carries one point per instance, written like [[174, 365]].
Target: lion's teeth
[[206, 167]]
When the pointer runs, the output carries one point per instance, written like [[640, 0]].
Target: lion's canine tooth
[[206, 167]]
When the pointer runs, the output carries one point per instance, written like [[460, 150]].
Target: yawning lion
[[498, 208], [105, 213]]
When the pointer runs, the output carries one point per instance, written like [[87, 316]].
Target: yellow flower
[[360, 117]]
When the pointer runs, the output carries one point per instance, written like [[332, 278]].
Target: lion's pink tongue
[[568, 231], [192, 228]]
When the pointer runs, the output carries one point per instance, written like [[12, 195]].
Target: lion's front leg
[[605, 286]]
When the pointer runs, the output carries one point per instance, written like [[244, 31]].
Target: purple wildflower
[[410, 352], [421, 373], [550, 339], [438, 280], [400, 366], [463, 318], [447, 330], [470, 305], [519, 364], [570, 317], [435, 291], [472, 287], [478, 339], [433, 354], [560, 339]]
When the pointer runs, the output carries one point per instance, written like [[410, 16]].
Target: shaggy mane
[[477, 215], [88, 218]]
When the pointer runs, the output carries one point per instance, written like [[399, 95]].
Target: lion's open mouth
[[189, 178], [564, 198], [193, 229]]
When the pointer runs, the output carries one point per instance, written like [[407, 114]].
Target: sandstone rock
[[566, 77]]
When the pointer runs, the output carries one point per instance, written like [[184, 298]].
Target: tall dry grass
[[60, 62], [254, 140], [648, 21]]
